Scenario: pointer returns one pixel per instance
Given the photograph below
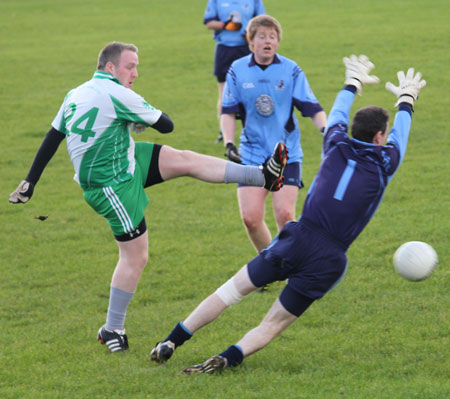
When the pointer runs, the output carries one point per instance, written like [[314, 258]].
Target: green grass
[[375, 336]]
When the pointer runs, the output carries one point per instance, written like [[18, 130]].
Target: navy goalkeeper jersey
[[353, 175]]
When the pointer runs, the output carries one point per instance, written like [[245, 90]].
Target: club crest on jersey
[[235, 16], [280, 85], [264, 105]]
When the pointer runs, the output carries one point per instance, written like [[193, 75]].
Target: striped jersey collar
[[252, 62], [105, 75]]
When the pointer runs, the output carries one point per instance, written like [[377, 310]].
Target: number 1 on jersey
[[345, 180]]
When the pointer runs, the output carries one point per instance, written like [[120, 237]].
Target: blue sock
[[117, 310], [233, 355], [179, 335]]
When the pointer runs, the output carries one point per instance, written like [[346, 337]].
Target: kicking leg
[[176, 163]]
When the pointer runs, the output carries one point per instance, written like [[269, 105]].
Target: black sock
[[233, 355], [179, 335]]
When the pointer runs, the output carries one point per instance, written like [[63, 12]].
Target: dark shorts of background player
[[224, 57], [311, 260], [148, 159], [292, 175]]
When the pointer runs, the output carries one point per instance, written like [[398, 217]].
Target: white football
[[415, 260]]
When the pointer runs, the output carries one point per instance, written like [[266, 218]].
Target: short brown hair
[[111, 53], [368, 121], [262, 20]]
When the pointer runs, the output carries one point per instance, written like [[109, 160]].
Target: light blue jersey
[[265, 99], [242, 10]]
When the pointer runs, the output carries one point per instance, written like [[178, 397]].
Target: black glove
[[233, 153]]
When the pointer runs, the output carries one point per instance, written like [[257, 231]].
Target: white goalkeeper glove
[[409, 86], [357, 72], [137, 127], [22, 193]]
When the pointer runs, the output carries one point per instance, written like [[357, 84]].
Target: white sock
[[244, 174], [117, 310]]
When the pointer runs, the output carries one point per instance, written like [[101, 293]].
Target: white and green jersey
[[96, 117]]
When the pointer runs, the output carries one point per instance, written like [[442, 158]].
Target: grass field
[[375, 336]]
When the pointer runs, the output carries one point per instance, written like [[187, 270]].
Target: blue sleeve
[[230, 97], [303, 97], [399, 134], [340, 111], [338, 119], [210, 12]]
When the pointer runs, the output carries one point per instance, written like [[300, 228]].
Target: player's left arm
[[305, 100], [407, 93], [399, 133], [320, 120], [135, 110], [164, 124]]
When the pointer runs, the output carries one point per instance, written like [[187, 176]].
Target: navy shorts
[[311, 260], [224, 57], [292, 175]]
